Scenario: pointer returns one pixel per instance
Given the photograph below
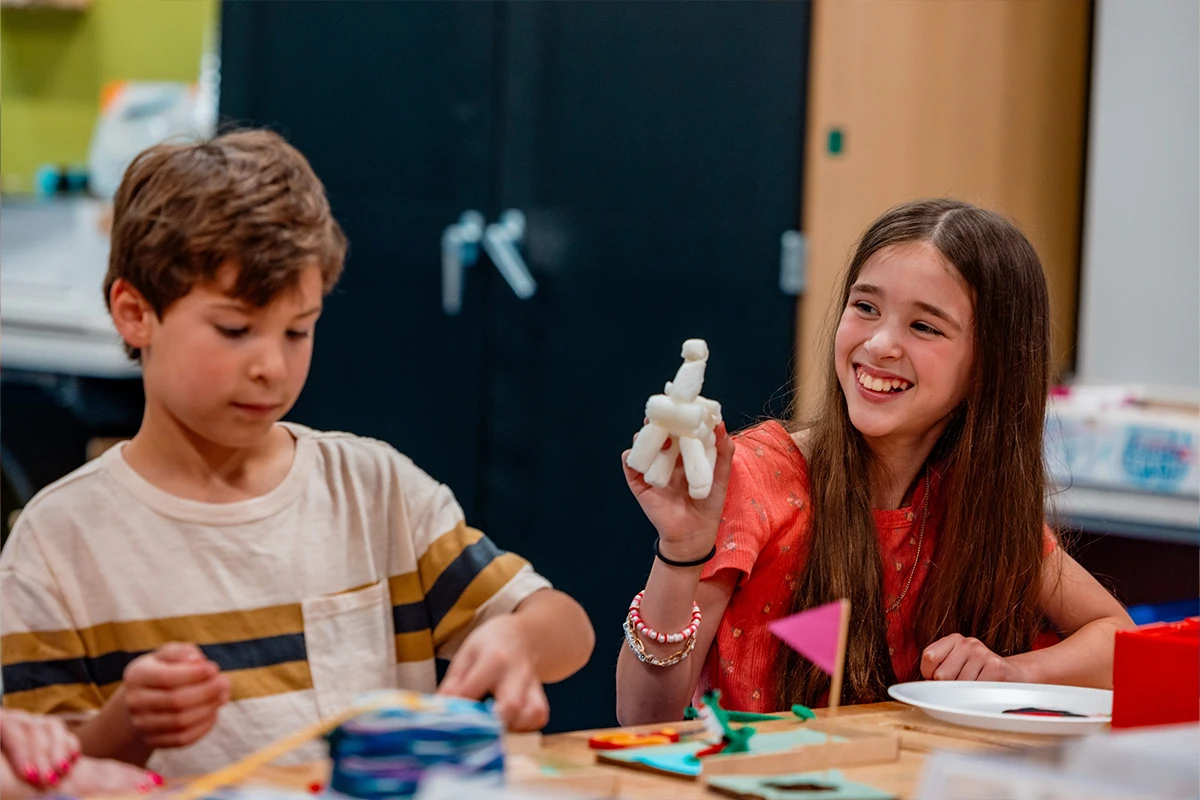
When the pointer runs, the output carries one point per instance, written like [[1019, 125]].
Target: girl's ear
[[131, 314]]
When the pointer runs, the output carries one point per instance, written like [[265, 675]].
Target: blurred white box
[[1134, 447]]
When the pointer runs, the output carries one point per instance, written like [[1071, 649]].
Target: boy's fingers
[[177, 721], [179, 651], [151, 699], [155, 674], [521, 704], [183, 737], [472, 683]]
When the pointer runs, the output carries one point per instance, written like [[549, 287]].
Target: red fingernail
[[315, 788], [51, 778], [64, 767], [154, 778], [32, 775], [144, 788], [75, 756]]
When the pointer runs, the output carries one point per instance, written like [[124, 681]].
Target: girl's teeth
[[882, 384]]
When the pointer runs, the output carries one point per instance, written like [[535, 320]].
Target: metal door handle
[[460, 249], [500, 240]]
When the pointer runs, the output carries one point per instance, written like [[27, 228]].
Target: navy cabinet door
[[654, 149]]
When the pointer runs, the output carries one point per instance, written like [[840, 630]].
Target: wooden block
[[584, 783], [522, 744]]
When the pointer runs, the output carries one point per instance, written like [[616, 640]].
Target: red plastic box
[[1156, 674]]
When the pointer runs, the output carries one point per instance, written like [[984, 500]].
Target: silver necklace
[[920, 541]]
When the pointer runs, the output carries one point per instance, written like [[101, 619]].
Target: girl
[[918, 493]]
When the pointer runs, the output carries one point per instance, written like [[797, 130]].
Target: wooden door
[[983, 101]]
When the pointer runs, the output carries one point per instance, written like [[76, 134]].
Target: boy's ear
[[131, 314]]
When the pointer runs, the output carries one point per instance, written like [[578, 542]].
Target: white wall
[[1141, 261]]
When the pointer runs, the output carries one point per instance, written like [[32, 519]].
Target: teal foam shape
[[776, 787], [680, 758]]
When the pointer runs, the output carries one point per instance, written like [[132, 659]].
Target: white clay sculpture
[[688, 420]]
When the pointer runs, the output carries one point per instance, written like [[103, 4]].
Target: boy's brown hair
[[183, 210]]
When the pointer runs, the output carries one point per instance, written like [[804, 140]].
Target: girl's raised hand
[[687, 528]]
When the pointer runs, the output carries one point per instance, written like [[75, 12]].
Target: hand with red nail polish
[[37, 749], [102, 776], [40, 753]]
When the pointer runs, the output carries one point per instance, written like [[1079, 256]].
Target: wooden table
[[569, 756]]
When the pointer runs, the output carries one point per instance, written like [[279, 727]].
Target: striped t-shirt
[[351, 575]]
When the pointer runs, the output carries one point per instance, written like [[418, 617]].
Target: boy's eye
[[921, 327], [298, 334], [865, 307], [232, 333]]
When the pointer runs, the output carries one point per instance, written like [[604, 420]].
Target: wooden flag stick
[[835, 687]]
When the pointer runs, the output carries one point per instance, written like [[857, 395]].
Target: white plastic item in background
[[52, 312], [140, 114], [1155, 763]]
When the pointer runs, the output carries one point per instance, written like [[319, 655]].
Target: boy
[[223, 561]]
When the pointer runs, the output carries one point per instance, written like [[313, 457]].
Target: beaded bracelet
[[662, 638], [639, 649]]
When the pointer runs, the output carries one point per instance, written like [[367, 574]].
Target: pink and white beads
[[662, 638]]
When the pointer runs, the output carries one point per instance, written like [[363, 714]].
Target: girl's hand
[[687, 528], [93, 777], [39, 749], [958, 658], [494, 660]]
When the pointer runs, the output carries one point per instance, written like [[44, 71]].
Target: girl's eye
[[298, 334], [232, 333], [921, 327], [865, 307]]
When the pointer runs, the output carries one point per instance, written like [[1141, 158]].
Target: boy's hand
[[39, 749], [495, 660], [958, 658], [173, 695]]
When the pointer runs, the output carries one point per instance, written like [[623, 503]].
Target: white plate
[[980, 704]]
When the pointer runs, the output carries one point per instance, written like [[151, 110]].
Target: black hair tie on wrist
[[658, 554]]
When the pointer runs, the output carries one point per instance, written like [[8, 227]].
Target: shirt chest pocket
[[350, 645]]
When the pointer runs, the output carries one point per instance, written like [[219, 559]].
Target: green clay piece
[[803, 712], [691, 713], [736, 738], [739, 740], [750, 716]]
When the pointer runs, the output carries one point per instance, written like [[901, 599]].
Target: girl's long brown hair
[[984, 581]]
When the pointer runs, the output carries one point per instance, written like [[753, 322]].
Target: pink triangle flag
[[814, 633]]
